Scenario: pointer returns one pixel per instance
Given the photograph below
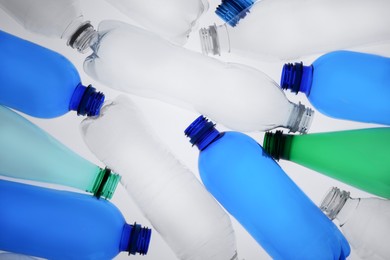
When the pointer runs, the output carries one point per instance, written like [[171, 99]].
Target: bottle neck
[[135, 239], [105, 183], [83, 37], [232, 11], [297, 78], [278, 145], [202, 133], [338, 204], [215, 39], [300, 118], [86, 100]]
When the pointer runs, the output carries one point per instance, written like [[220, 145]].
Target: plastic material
[[28, 152], [42, 83], [64, 225], [172, 19], [364, 221], [357, 157], [10, 256], [344, 84], [282, 29], [257, 192], [170, 196], [134, 61]]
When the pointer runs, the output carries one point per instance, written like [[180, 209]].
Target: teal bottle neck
[[105, 183], [297, 78]]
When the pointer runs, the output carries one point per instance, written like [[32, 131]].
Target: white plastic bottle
[[170, 196], [285, 29], [365, 222], [172, 19]]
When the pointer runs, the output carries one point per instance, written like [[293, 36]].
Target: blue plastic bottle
[[258, 193], [42, 83], [58, 225], [345, 85], [232, 11]]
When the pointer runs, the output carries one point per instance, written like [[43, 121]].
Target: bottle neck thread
[[83, 37], [209, 40], [333, 202], [105, 183], [300, 119], [277, 145], [135, 239], [201, 132], [86, 100], [297, 78], [232, 11]]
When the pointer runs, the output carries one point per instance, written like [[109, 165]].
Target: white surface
[[170, 122]]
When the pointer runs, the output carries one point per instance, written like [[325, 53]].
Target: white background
[[169, 122]]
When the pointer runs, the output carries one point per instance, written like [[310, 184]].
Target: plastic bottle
[[42, 83], [357, 157], [172, 19], [169, 195], [10, 256], [28, 152], [282, 29], [364, 221], [57, 224], [256, 191], [344, 84]]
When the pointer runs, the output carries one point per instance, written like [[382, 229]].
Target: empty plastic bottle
[[10, 256], [357, 157], [65, 225], [344, 84], [169, 195], [172, 19], [42, 83], [364, 221], [28, 152], [282, 29], [260, 195]]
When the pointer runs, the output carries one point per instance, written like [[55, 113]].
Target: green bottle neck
[[105, 183], [278, 145]]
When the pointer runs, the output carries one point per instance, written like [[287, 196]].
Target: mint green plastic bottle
[[28, 152], [360, 157]]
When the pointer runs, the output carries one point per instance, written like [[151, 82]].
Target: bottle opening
[[296, 77], [105, 184], [91, 102], [232, 11], [209, 40], [201, 132], [83, 37], [300, 119], [334, 202], [273, 144], [139, 239]]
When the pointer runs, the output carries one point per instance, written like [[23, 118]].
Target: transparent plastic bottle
[[260, 195], [172, 19], [10, 256], [169, 195], [345, 85], [356, 157], [283, 29], [42, 83], [364, 221], [28, 152], [65, 225]]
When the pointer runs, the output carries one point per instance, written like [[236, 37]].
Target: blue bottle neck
[[232, 11], [135, 239], [202, 133], [297, 78], [86, 100]]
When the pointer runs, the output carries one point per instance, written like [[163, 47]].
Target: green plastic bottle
[[28, 152], [360, 157]]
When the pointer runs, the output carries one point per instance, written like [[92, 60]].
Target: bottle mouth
[[105, 184], [83, 37], [91, 102], [209, 40], [333, 202], [139, 240], [273, 143], [232, 11], [201, 132], [300, 119]]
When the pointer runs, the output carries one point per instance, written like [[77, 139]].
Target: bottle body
[[237, 96], [365, 223], [288, 30], [57, 224], [47, 160], [356, 157], [253, 188], [41, 82], [10, 256], [352, 86], [172, 19], [169, 195]]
